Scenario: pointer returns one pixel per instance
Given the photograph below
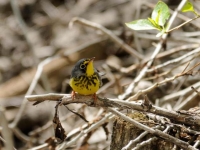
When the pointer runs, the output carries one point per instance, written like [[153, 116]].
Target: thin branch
[[30, 90], [195, 90], [195, 52], [140, 92], [174, 50], [136, 140], [113, 37], [23, 26], [149, 141], [108, 102], [145, 143], [76, 131], [6, 132], [197, 143], [160, 55], [186, 101], [40, 147], [3, 141], [177, 27], [43, 97], [82, 133], [21, 135], [177, 94]]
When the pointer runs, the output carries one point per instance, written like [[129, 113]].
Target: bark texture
[[123, 132]]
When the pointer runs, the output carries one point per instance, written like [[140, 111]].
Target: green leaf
[[188, 7], [160, 13], [155, 24], [142, 24]]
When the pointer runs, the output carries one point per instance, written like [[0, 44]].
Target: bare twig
[[197, 143], [134, 97], [105, 102], [136, 140], [43, 97], [195, 90], [70, 135], [186, 101], [40, 147], [23, 26], [82, 133], [182, 24], [31, 89], [6, 132], [145, 143], [177, 49], [46, 126], [175, 95], [84, 46], [85, 126], [195, 52], [21, 135], [190, 34], [113, 37], [111, 78], [3, 141], [160, 55]]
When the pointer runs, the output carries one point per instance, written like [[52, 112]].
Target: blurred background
[[41, 32]]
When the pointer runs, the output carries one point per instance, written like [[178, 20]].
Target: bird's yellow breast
[[85, 85]]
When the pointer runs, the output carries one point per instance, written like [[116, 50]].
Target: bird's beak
[[90, 67]]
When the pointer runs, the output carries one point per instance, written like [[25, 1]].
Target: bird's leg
[[73, 95], [94, 96]]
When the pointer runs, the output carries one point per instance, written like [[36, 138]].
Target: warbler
[[85, 79]]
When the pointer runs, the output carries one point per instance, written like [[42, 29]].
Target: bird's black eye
[[82, 66]]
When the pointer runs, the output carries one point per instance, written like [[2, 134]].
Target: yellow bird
[[85, 79]]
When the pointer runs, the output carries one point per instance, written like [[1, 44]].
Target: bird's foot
[[94, 96], [73, 95]]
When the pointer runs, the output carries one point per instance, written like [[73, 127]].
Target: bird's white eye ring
[[82, 66]]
